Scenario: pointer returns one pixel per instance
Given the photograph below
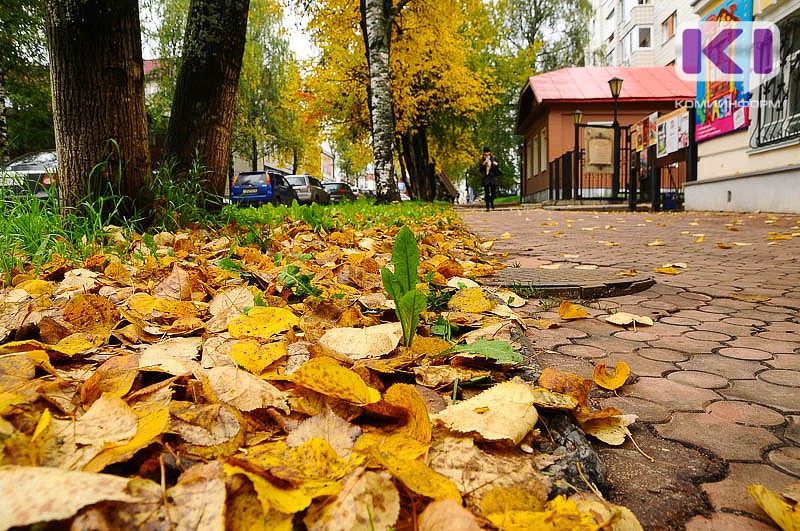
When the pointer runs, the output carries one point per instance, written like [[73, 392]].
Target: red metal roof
[[151, 64], [590, 83]]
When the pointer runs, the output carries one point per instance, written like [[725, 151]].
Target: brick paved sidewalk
[[719, 372]]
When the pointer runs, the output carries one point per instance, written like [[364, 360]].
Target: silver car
[[30, 175], [309, 189]]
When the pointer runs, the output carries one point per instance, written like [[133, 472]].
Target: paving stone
[[703, 380], [697, 315], [646, 410], [765, 393], [793, 428], [731, 330], [695, 296], [662, 354], [785, 361], [725, 367], [768, 345], [743, 321], [686, 344], [680, 321], [609, 343], [658, 304], [726, 522], [671, 394], [563, 362], [593, 327], [739, 443], [639, 335], [785, 327], [665, 329], [582, 351], [702, 335], [781, 377], [745, 413], [731, 494], [641, 366], [744, 353], [715, 309], [781, 336], [760, 315], [786, 458]]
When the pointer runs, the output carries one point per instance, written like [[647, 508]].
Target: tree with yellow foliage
[[436, 92]]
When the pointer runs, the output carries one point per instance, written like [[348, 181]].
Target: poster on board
[[599, 142], [721, 103]]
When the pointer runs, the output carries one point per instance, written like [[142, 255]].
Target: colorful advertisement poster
[[672, 132], [636, 136], [652, 122], [722, 103]]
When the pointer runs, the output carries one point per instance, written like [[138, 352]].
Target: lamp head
[[615, 84], [577, 117]]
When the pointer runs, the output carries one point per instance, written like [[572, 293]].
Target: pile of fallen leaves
[[200, 384]]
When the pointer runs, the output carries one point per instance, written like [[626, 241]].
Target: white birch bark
[[377, 38]]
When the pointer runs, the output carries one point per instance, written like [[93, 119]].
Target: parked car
[[261, 187], [366, 192], [309, 189], [32, 174], [340, 192]]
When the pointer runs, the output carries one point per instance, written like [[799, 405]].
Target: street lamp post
[[615, 84], [577, 119]]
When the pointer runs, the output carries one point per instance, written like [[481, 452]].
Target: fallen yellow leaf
[[611, 379], [327, 377], [569, 311], [668, 270], [262, 322], [781, 512]]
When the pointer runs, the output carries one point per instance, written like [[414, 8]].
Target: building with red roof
[[548, 101]]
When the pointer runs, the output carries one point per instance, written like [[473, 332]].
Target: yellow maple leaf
[[418, 424], [262, 322], [472, 300], [419, 478], [254, 356], [611, 379], [327, 377], [668, 270], [569, 311], [782, 513]]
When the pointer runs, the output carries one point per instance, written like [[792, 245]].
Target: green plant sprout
[[401, 284]]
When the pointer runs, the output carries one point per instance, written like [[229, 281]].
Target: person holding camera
[[490, 172]]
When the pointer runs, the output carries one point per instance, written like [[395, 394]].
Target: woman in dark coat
[[489, 177]]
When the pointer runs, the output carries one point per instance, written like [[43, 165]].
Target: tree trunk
[[98, 95], [421, 172], [3, 123], [201, 122], [254, 154], [376, 28]]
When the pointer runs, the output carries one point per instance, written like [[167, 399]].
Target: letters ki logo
[[741, 52]]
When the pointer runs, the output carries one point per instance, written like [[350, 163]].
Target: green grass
[[507, 199], [33, 232]]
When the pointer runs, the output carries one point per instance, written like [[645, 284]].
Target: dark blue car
[[260, 188]]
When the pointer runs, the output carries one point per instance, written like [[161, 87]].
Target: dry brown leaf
[[108, 421], [338, 432], [476, 472], [39, 494], [625, 319], [447, 514], [444, 375], [566, 383], [368, 501], [115, 376], [175, 355], [210, 430], [177, 286], [503, 413], [609, 429], [243, 390], [359, 343], [237, 298], [748, 298]]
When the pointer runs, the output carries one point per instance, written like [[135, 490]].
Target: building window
[[668, 27], [643, 33], [777, 105], [543, 149]]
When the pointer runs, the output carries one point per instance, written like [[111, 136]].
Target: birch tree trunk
[[376, 18], [3, 124], [98, 94], [201, 122]]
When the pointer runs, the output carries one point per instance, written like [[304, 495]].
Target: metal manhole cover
[[571, 283]]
